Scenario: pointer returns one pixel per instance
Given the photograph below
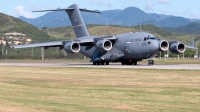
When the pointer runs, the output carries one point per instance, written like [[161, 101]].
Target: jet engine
[[177, 47], [164, 45], [103, 45], [72, 47]]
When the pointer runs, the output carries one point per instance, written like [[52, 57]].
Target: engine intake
[[103, 45], [164, 45], [177, 48], [72, 47]]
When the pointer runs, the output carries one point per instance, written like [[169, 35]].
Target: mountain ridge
[[191, 28], [129, 16]]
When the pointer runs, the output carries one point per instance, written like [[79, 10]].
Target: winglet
[[7, 42]]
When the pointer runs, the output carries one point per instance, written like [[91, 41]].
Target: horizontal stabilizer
[[85, 10], [68, 9], [55, 10]]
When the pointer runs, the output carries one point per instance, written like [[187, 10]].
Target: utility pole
[[5, 37], [57, 50], [4, 45], [32, 52], [3, 49], [197, 51], [107, 22], [160, 55], [42, 52]]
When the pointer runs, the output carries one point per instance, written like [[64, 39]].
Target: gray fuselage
[[135, 46]]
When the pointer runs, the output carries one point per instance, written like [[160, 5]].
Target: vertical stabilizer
[[76, 19]]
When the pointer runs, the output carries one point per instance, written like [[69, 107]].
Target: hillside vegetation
[[192, 28], [63, 33], [11, 24]]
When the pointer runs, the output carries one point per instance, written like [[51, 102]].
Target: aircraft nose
[[155, 45]]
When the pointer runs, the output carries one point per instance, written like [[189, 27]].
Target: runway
[[89, 65]]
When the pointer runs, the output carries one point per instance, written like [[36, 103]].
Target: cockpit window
[[150, 38], [153, 38], [145, 38], [158, 39]]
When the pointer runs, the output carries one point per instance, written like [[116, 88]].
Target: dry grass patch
[[98, 89]]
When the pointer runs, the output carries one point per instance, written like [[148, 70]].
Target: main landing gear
[[101, 63], [150, 62], [129, 62]]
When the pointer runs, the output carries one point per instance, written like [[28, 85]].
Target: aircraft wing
[[190, 47], [191, 44], [83, 42], [45, 44]]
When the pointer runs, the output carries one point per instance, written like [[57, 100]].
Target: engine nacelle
[[72, 47], [177, 47], [163, 46], [103, 45]]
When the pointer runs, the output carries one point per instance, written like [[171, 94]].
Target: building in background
[[15, 38]]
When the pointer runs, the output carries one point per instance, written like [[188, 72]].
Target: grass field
[[157, 61], [42, 89]]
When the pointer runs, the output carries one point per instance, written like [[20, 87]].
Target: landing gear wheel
[[135, 62], [94, 63], [102, 63], [130, 63], [127, 63], [107, 63], [150, 62]]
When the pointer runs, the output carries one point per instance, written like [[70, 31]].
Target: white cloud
[[100, 3], [19, 11], [163, 2], [149, 5]]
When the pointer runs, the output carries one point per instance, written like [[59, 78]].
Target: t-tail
[[76, 19]]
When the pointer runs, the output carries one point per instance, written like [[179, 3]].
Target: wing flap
[[45, 44]]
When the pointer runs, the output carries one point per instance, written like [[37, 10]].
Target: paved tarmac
[[139, 66]]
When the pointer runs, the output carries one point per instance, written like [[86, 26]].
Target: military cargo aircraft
[[127, 48]]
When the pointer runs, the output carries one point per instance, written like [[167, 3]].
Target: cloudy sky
[[184, 8]]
